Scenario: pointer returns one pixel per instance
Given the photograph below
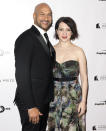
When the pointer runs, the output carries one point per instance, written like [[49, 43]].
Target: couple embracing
[[49, 95]]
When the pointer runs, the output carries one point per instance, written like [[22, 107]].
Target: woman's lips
[[64, 37]]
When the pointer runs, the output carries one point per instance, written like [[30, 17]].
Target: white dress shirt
[[41, 31]]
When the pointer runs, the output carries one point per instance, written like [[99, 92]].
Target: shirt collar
[[40, 30]]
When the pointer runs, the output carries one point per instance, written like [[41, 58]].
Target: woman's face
[[64, 32]]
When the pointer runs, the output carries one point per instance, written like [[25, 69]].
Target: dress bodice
[[66, 69]]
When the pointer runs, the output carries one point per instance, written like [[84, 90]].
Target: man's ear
[[34, 15]]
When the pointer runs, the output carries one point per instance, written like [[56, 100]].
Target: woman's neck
[[64, 44]]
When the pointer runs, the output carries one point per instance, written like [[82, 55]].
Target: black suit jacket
[[34, 66]]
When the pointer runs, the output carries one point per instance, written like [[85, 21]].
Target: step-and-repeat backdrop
[[90, 16]]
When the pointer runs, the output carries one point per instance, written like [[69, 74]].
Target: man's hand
[[34, 115]]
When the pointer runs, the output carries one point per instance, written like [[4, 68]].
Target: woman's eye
[[60, 29], [68, 30]]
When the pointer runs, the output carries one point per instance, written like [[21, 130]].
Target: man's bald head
[[40, 6], [43, 16]]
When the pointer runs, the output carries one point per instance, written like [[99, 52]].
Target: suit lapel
[[40, 38], [53, 53]]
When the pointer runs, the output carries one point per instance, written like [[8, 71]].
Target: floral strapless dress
[[63, 114]]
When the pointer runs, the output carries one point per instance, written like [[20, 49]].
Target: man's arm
[[23, 56]]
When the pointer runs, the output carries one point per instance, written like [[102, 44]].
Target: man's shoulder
[[24, 40], [25, 34]]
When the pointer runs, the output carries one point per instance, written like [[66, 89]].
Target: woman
[[70, 99]]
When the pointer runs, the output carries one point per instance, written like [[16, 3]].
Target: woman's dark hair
[[71, 23]]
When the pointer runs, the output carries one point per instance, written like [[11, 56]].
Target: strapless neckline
[[67, 62]]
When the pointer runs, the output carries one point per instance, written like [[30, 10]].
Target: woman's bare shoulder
[[78, 49], [79, 52]]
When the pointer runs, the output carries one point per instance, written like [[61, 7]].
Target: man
[[34, 60]]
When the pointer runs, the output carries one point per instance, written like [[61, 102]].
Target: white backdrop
[[90, 16]]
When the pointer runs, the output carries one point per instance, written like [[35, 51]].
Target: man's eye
[[49, 14]]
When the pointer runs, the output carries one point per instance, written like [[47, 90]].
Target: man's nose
[[46, 17]]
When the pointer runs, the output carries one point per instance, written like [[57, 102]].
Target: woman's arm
[[84, 81]]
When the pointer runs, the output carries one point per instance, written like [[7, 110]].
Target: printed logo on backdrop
[[102, 0], [101, 103], [100, 78], [2, 109], [7, 80], [3, 52], [101, 26], [102, 52], [94, 128], [99, 128]]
